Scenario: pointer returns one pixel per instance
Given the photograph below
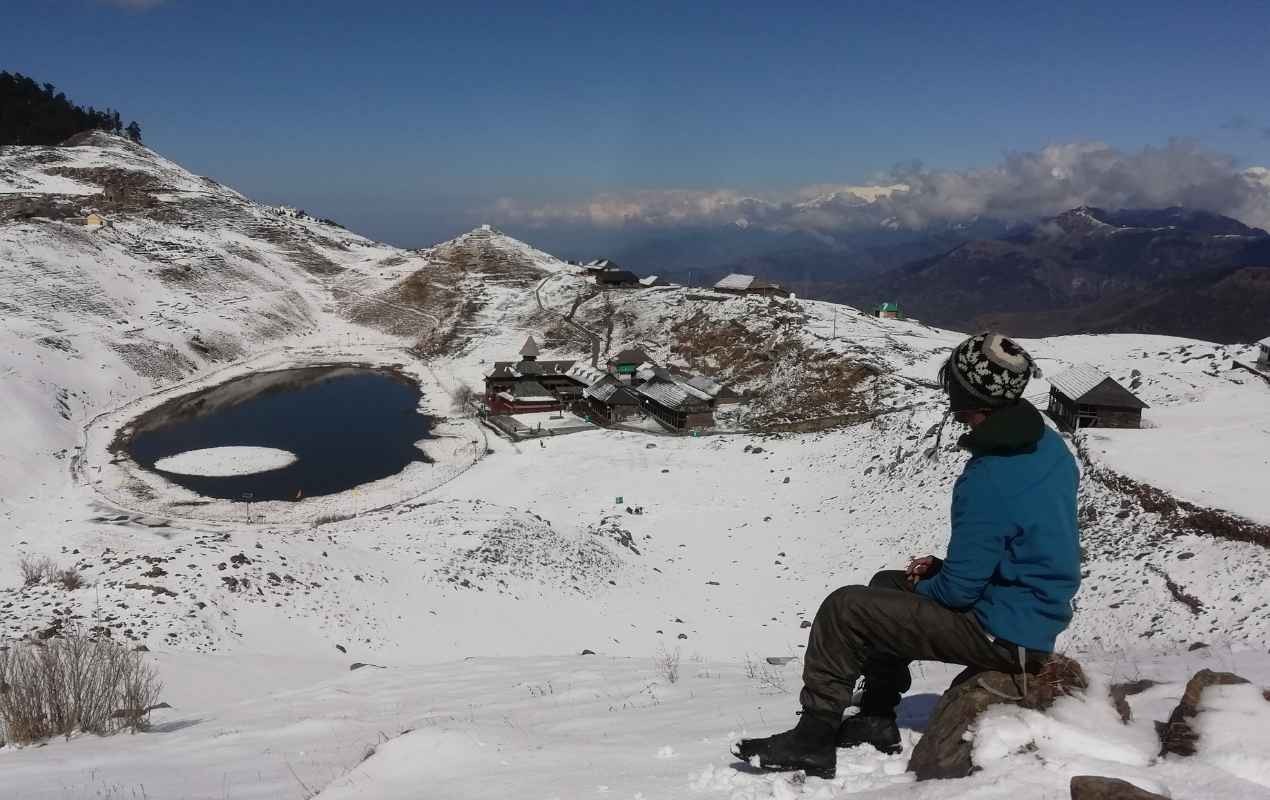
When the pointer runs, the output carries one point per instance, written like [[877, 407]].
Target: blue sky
[[407, 120]]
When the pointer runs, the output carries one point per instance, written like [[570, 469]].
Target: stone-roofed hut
[[675, 404], [1085, 397], [736, 283], [617, 279], [611, 401]]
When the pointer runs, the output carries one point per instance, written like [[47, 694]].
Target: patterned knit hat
[[986, 371]]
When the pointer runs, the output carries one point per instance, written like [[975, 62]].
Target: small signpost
[[247, 498]]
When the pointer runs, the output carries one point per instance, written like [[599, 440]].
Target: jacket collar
[[1008, 431]]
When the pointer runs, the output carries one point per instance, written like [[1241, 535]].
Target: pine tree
[[134, 131]]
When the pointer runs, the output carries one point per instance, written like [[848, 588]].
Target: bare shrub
[[765, 676], [72, 685], [70, 579], [465, 400], [36, 570], [667, 664]]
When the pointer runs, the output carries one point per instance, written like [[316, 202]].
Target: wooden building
[[1263, 354], [530, 384], [524, 397], [611, 401], [674, 404], [1084, 397], [887, 310], [626, 363], [617, 279], [737, 283]]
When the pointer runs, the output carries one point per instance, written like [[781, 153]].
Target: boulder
[[1121, 692], [1091, 787], [944, 751], [1177, 736]]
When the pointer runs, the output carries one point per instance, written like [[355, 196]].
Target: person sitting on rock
[[995, 602]]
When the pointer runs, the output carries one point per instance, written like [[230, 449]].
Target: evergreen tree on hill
[[35, 114]]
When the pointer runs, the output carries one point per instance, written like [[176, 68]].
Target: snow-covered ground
[[478, 578], [600, 726]]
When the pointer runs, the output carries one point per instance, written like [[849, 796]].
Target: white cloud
[[1023, 185]]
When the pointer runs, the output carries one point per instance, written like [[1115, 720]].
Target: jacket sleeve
[[980, 530]]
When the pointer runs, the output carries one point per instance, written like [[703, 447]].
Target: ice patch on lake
[[219, 462]]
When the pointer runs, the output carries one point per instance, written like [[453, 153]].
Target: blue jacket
[[1014, 556]]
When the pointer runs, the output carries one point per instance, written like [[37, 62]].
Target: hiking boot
[[808, 746], [879, 731]]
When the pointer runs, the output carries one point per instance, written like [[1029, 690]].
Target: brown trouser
[[875, 631]]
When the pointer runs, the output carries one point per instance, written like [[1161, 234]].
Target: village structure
[[631, 387], [888, 310], [1263, 354], [1084, 397], [737, 283]]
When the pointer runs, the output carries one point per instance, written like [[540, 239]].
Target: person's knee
[[841, 599], [888, 579]]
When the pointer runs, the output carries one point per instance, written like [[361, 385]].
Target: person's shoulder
[[1055, 444]]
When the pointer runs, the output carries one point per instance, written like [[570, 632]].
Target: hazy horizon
[[412, 123]]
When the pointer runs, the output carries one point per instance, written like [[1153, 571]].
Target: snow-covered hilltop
[[522, 554]]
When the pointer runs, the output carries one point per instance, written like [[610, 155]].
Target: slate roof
[[611, 391], [631, 355], [705, 385], [586, 374], [736, 282], [889, 306], [517, 369], [670, 394], [1086, 384], [529, 391], [616, 276]]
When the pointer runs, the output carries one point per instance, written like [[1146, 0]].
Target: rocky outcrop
[[1121, 692], [1091, 787], [945, 752], [1177, 736]]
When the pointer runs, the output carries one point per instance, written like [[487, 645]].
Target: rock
[[340, 647], [786, 479], [805, 624], [587, 652], [944, 752], [1176, 735], [683, 636], [1120, 692], [1196, 646], [1091, 787], [356, 665], [140, 649], [779, 661]]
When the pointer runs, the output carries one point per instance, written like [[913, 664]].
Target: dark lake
[[347, 425]]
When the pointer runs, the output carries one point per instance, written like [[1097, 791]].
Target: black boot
[[809, 746], [877, 730]]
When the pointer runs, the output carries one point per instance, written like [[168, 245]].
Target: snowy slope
[[524, 552]]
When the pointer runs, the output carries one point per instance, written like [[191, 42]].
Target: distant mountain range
[[1177, 271], [1171, 271]]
